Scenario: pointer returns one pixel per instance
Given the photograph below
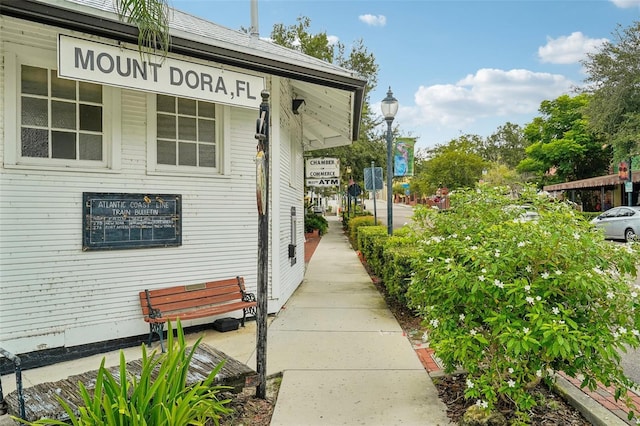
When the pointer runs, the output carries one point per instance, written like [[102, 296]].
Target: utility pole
[[262, 199]]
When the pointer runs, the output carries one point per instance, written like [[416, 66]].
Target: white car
[[620, 223]]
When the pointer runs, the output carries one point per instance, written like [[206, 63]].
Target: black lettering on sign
[[125, 221]]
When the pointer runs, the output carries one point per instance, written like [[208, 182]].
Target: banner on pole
[[403, 158]]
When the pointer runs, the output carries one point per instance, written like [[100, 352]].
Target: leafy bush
[[313, 221], [355, 223], [514, 301], [399, 253], [159, 396], [371, 244]]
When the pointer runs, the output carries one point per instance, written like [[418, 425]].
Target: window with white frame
[[187, 134], [56, 122], [59, 118]]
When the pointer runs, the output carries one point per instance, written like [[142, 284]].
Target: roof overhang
[[595, 182], [334, 101]]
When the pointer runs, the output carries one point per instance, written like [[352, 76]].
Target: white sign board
[[323, 182], [86, 60], [321, 168]]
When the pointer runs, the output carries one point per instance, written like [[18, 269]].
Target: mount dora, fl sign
[[322, 172]]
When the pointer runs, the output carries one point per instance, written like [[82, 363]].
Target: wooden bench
[[187, 302]]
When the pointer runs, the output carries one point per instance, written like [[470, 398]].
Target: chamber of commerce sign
[[322, 168], [86, 60]]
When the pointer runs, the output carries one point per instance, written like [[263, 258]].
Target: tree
[[453, 165], [369, 146], [506, 146], [613, 80], [152, 19], [562, 146]]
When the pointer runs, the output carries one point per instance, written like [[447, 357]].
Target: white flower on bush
[[482, 403], [558, 272], [539, 373], [469, 384], [430, 260], [622, 330], [447, 260], [610, 295], [555, 310], [511, 384], [598, 270], [527, 288], [473, 332], [525, 330], [481, 278], [511, 370], [497, 253], [461, 316], [434, 323], [576, 236], [530, 300], [635, 332], [545, 275], [498, 283], [473, 247], [528, 268], [467, 238], [483, 270], [634, 294]]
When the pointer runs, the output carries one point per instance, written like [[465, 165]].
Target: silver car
[[620, 223]]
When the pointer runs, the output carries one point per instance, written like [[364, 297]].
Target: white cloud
[[569, 49], [373, 20], [333, 40], [489, 93], [625, 4]]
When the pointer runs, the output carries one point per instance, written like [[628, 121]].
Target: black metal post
[[373, 184], [630, 193], [262, 194], [18, 370], [389, 180]]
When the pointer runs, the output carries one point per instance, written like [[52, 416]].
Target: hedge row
[[389, 258]]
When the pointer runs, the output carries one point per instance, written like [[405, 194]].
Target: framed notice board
[[127, 221]]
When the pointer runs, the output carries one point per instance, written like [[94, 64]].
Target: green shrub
[[145, 400], [355, 223], [514, 301], [399, 253], [371, 244], [313, 221]]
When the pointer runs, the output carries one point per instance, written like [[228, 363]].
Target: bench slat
[[201, 313]]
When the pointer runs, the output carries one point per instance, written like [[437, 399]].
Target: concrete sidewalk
[[344, 357]]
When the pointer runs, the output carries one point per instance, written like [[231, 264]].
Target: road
[[402, 215]]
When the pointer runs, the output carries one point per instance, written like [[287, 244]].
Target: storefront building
[[122, 172]]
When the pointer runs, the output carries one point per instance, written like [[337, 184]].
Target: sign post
[[262, 200]]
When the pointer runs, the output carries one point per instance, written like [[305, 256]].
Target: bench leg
[[156, 328]]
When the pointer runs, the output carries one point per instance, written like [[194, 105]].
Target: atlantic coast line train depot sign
[[112, 65]]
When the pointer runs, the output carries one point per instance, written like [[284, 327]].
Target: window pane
[[34, 80], [206, 130], [166, 103], [186, 106], [187, 154], [63, 145], [35, 112], [90, 92], [187, 128], [166, 126], [207, 155], [91, 118], [206, 109], [35, 142], [167, 152], [61, 88], [90, 147], [63, 115]]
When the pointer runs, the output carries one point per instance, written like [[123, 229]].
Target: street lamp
[[389, 108]]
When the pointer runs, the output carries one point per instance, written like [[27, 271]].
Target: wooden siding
[[54, 294]]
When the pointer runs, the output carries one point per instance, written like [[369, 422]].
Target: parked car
[[620, 223]]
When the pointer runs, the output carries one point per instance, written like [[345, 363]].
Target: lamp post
[[389, 108]]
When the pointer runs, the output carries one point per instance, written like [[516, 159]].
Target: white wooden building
[[82, 112]]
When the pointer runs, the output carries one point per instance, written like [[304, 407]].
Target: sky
[[456, 67]]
